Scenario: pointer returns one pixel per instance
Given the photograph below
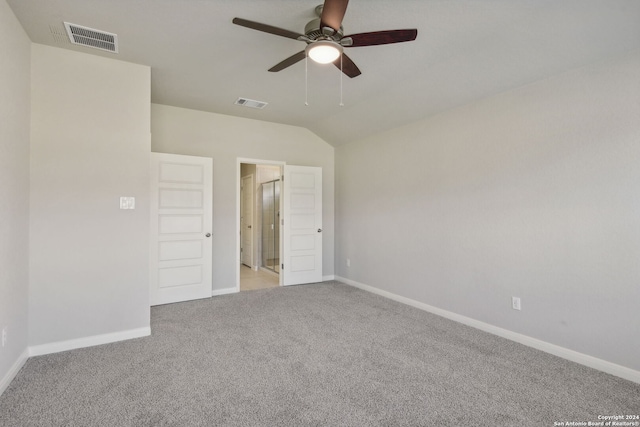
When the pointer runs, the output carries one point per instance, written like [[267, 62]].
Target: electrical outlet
[[4, 336], [348, 262], [515, 303]]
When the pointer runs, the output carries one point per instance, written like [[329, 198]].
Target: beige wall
[[14, 190], [90, 144], [225, 139], [532, 193]]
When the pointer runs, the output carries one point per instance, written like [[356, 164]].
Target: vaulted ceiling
[[465, 50]]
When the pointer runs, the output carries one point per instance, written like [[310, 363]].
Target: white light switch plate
[[127, 202]]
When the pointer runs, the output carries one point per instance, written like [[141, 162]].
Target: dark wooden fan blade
[[289, 61], [266, 28], [382, 37], [348, 66], [332, 13]]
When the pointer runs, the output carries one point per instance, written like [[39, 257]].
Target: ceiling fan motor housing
[[313, 31]]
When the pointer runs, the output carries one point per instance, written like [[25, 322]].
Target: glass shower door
[[271, 225]]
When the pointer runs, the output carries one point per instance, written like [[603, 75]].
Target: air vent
[[251, 103], [90, 37], [59, 34]]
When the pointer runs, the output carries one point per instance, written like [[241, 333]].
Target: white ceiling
[[465, 50]]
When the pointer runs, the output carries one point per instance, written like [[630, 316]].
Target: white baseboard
[[13, 371], [328, 278], [224, 291], [556, 350], [56, 347]]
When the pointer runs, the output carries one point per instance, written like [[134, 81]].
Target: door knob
[[248, 226], [208, 234], [319, 230]]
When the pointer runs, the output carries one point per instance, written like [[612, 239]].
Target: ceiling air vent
[[59, 34], [251, 103], [92, 38]]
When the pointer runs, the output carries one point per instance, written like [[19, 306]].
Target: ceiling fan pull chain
[[341, 104], [306, 81]]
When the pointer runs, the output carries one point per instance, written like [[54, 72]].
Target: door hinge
[[282, 266]]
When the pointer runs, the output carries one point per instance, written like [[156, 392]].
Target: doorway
[[259, 225], [300, 223]]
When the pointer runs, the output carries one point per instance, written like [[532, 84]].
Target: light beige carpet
[[314, 355]]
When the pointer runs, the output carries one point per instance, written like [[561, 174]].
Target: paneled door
[[302, 260], [181, 224], [246, 220]]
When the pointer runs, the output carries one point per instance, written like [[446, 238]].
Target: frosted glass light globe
[[324, 51]]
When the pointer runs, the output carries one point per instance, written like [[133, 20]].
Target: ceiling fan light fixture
[[324, 51]]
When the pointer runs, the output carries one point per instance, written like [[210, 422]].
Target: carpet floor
[[315, 355]]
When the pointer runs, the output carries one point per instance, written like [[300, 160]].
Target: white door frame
[[239, 162]]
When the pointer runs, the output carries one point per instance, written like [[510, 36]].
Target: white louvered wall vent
[[59, 34], [90, 37], [251, 103]]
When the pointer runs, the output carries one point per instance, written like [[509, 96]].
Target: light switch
[[127, 202]]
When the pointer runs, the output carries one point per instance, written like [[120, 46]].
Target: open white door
[[181, 223], [302, 258], [247, 201]]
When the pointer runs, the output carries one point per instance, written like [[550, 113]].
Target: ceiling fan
[[325, 38]]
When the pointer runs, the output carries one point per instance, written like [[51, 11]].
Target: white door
[[181, 223], [302, 259], [246, 220]]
